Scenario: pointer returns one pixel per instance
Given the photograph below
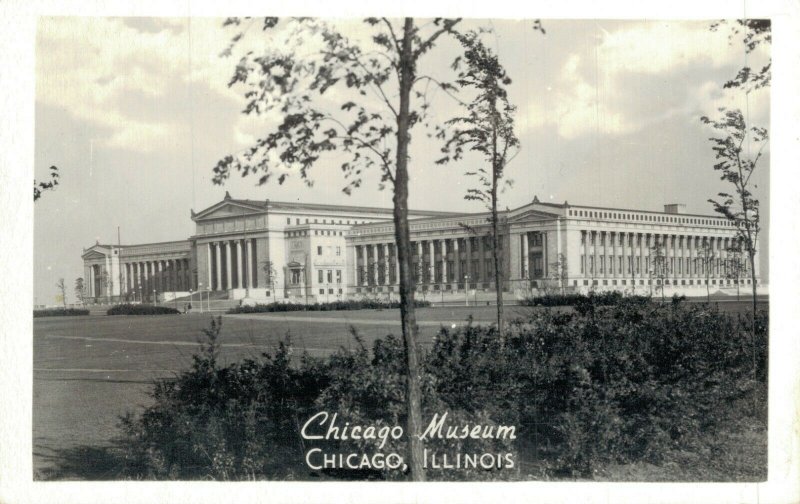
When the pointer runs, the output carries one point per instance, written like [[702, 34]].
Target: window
[[320, 275], [330, 276], [322, 291], [583, 238], [583, 266], [319, 251], [338, 250], [339, 278], [288, 220]]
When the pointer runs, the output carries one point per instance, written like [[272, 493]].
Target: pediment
[[228, 209], [532, 215], [93, 253]]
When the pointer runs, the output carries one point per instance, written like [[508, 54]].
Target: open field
[[90, 370]]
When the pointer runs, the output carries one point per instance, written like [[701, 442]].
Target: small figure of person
[[189, 308]]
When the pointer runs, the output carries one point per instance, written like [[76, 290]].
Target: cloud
[[592, 93], [91, 67]]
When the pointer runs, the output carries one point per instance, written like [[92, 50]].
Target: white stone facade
[[295, 252]]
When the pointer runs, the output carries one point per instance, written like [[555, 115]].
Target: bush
[[130, 309], [582, 302], [626, 383], [365, 304], [59, 312]]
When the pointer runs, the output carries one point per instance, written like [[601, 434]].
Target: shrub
[[131, 309], [627, 382], [365, 304], [582, 302], [59, 312]]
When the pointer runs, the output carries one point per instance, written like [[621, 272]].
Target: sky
[[136, 112]]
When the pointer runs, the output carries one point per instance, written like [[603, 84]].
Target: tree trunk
[[751, 253], [402, 237], [498, 273]]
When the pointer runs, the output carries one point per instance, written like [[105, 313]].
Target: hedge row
[[59, 312], [365, 304], [131, 309], [598, 299], [623, 384]]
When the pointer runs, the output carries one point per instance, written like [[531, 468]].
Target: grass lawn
[[90, 370]]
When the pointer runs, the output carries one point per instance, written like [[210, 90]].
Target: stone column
[[457, 273], [218, 259], [250, 263], [481, 259], [526, 257], [210, 279], [239, 265], [134, 277], [420, 263], [585, 253], [444, 261], [228, 265], [375, 264], [545, 256], [432, 264], [468, 262], [387, 276], [148, 279], [623, 274], [160, 276]]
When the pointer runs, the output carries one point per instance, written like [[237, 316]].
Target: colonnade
[[231, 264], [631, 255], [440, 261], [161, 275]]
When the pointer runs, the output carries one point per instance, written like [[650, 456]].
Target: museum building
[[303, 252]]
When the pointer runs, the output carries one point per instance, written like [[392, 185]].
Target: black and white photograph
[[356, 250]]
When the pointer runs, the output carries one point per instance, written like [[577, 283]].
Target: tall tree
[[734, 266], [705, 258], [738, 150], [62, 289], [40, 187], [80, 291], [753, 33], [271, 275], [659, 267], [372, 130], [487, 128], [560, 273]]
